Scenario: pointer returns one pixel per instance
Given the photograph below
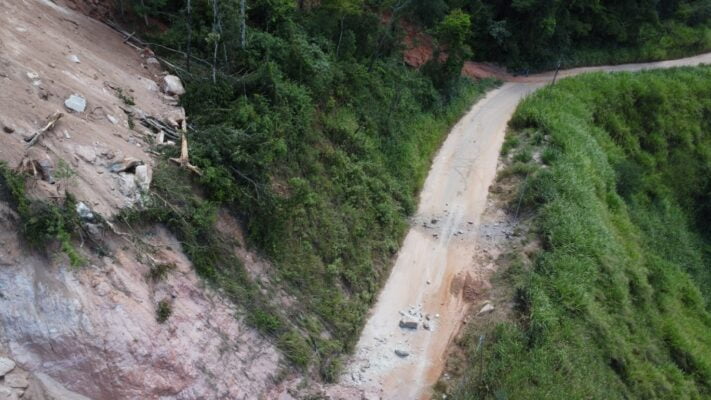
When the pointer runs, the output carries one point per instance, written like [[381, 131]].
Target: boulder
[[7, 393], [6, 365], [75, 103], [408, 323], [173, 86], [488, 307], [84, 212], [17, 379], [143, 177], [86, 153], [401, 353]]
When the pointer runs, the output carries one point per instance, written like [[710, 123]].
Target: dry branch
[[48, 126], [184, 160]]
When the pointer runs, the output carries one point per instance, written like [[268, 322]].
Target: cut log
[[184, 159]]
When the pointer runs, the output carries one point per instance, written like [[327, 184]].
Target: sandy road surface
[[441, 245]]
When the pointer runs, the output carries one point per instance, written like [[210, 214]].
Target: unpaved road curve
[[432, 256]]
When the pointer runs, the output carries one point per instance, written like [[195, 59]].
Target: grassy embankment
[[615, 304]]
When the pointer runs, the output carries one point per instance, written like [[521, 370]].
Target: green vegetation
[[615, 304], [163, 311], [41, 222], [315, 135], [537, 34]]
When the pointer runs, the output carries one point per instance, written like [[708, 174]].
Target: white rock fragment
[[17, 380], [75, 103], [112, 119], [143, 177], [86, 153], [488, 307], [6, 365], [173, 86], [84, 212], [74, 58]]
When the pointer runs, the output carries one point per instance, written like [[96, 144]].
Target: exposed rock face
[[94, 329]]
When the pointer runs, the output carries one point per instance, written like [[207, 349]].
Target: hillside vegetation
[[317, 137], [538, 34], [615, 304], [311, 130]]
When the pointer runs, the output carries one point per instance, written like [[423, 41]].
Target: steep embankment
[[94, 328], [615, 302]]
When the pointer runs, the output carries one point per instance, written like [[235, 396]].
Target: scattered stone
[[127, 165], [409, 323], [127, 184], [86, 153], [428, 282], [401, 353], [74, 58], [66, 134], [143, 178], [173, 86], [435, 235], [7, 393], [434, 220], [152, 61], [488, 307], [84, 212], [75, 103], [8, 129], [6, 365], [112, 119], [17, 379], [460, 232], [426, 325], [32, 76]]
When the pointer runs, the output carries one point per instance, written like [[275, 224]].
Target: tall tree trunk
[[340, 37], [243, 23], [217, 40], [190, 37], [145, 12]]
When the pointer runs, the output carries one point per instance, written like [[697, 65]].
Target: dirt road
[[441, 246]]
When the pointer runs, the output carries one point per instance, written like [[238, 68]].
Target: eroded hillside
[[94, 328]]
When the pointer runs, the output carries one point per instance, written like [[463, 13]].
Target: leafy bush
[[42, 222]]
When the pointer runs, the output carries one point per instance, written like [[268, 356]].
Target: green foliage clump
[[163, 311], [615, 304], [540, 34], [41, 222]]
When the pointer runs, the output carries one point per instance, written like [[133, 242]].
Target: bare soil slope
[[93, 329]]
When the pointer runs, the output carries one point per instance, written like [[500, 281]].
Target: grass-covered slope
[[615, 304]]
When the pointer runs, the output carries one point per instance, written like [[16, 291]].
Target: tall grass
[[615, 304]]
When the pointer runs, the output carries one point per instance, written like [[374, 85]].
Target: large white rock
[[173, 86], [6, 365], [143, 177], [75, 103]]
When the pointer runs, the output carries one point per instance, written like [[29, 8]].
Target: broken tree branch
[[48, 126], [184, 160]]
